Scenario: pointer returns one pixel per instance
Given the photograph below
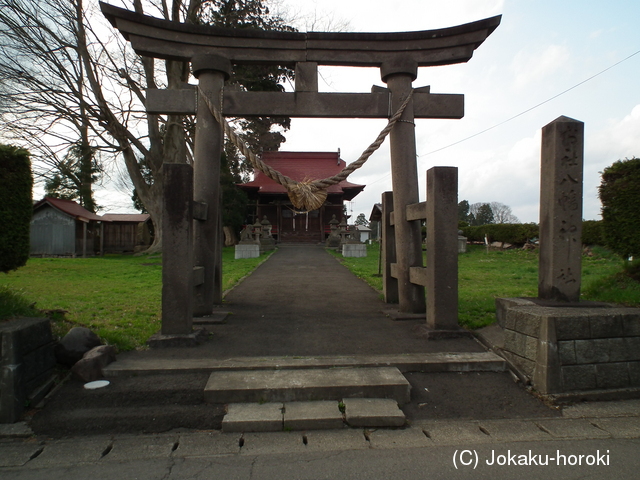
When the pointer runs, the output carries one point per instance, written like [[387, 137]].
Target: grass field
[[118, 296], [484, 275]]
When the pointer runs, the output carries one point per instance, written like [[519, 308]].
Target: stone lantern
[[257, 231], [334, 237], [266, 242]]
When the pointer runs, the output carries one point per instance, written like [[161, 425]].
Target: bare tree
[[43, 89], [502, 213], [67, 79]]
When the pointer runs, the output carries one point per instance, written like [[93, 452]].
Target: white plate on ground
[[96, 384]]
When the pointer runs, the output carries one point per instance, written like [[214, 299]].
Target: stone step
[[261, 386], [315, 415], [134, 365]]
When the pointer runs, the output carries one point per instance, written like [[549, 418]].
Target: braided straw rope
[[308, 194]]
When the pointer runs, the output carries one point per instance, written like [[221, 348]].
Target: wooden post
[[388, 250], [101, 239], [84, 239], [211, 71], [399, 77], [442, 248]]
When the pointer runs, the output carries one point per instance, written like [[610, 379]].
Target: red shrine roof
[[302, 166], [69, 207]]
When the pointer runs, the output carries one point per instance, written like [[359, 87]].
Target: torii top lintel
[[159, 38]]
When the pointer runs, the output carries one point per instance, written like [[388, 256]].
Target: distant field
[[484, 275]]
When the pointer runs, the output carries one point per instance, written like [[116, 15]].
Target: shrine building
[[291, 225]]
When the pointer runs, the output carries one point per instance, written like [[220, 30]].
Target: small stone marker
[[561, 210]]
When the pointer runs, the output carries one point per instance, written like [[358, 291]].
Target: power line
[[519, 114], [531, 108]]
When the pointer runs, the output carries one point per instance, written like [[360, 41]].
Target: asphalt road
[[612, 458]]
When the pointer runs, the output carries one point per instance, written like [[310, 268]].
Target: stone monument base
[[577, 349], [267, 244], [192, 339], [354, 250], [249, 250], [427, 333]]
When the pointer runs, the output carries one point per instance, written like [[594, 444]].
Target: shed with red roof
[[62, 227]]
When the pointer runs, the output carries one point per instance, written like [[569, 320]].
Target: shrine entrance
[[192, 249]]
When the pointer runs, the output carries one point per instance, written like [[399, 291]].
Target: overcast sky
[[541, 49]]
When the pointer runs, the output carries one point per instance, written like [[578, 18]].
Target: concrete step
[[138, 365], [261, 386], [316, 415]]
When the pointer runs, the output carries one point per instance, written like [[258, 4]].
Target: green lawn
[[484, 275], [117, 296]]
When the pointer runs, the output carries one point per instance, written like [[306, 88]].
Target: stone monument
[[249, 246], [566, 348], [352, 246]]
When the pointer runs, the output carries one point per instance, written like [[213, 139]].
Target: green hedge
[[593, 233], [519, 233], [515, 233], [620, 197], [16, 207]]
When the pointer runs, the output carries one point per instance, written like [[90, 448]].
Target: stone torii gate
[[190, 290]]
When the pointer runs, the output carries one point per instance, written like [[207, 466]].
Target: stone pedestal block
[[354, 250], [247, 251], [26, 365], [567, 348]]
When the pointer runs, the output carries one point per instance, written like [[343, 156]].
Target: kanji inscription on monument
[[561, 210]]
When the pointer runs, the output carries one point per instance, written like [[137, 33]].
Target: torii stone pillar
[[404, 177], [211, 72]]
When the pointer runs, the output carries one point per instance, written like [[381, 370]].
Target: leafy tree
[[16, 207], [234, 200], [620, 196], [361, 220], [463, 212], [480, 214], [69, 179]]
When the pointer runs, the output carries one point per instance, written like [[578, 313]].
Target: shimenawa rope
[[307, 194]]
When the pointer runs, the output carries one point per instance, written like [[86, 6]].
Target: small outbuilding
[[375, 221], [125, 232], [62, 227]]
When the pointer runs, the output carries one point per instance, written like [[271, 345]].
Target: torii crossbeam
[[212, 51]]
